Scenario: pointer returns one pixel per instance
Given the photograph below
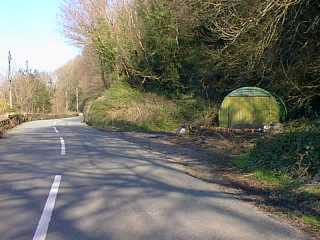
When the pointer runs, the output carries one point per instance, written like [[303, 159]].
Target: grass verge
[[293, 196], [125, 108]]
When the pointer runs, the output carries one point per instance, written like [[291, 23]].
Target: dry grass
[[129, 109], [4, 107]]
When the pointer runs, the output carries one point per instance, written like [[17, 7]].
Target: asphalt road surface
[[60, 179]]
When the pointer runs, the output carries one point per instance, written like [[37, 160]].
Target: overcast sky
[[30, 30]]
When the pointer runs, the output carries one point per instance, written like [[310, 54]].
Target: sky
[[30, 30]]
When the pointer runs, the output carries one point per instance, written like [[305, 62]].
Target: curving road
[[60, 179]]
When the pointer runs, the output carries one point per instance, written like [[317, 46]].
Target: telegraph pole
[[9, 79], [27, 66], [77, 97], [67, 103]]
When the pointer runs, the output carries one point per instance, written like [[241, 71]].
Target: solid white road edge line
[[63, 146], [46, 215]]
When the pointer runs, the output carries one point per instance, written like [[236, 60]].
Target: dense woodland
[[198, 48], [177, 48]]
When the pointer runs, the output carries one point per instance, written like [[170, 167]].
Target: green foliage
[[263, 175], [272, 178], [160, 57], [126, 108], [297, 52], [284, 188], [122, 94], [294, 153], [186, 47], [196, 111], [241, 162], [105, 49], [277, 50], [314, 220]]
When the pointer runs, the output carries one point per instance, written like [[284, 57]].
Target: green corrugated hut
[[250, 107]]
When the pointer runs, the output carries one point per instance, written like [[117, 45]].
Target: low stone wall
[[15, 119], [10, 122], [41, 116]]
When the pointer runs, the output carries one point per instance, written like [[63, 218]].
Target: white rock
[[181, 131]]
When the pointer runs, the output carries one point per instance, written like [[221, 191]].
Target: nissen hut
[[250, 107]]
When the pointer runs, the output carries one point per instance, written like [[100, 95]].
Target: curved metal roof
[[249, 92]]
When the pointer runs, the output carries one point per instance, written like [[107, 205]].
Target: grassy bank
[[293, 197], [285, 165], [4, 107], [125, 108]]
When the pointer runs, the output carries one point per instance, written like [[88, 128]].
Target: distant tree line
[[202, 48], [32, 92]]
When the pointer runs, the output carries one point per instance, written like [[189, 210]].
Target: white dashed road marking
[[46, 215], [63, 146], [55, 129]]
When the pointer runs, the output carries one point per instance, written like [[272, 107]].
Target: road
[[60, 179]]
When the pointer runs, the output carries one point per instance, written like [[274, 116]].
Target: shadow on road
[[118, 186]]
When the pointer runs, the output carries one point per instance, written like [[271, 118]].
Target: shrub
[[295, 153], [126, 108], [197, 112]]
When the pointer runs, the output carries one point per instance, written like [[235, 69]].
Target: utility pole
[[67, 103], [77, 97], [27, 66], [9, 79]]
